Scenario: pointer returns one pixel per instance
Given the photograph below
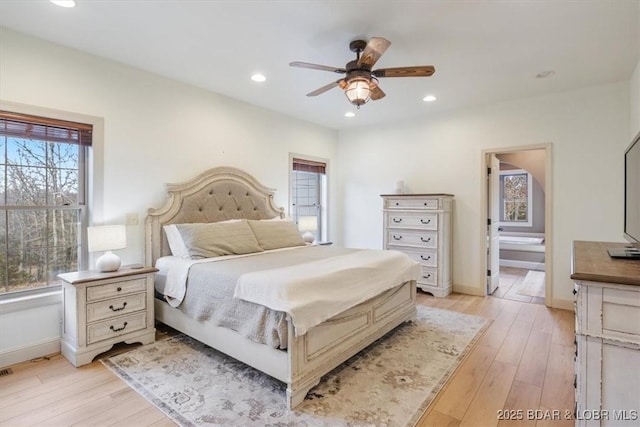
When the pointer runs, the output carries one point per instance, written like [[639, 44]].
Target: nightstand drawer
[[115, 327], [116, 307], [116, 289]]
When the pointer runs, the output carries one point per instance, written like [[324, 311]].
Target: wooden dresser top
[[591, 262]]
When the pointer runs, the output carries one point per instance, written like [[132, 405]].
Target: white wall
[[635, 103], [588, 130], [155, 131]]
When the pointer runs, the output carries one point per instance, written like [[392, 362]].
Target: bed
[[223, 194]]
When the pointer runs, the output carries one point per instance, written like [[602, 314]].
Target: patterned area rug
[[390, 383]]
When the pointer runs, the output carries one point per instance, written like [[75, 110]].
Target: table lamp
[[107, 238], [308, 225]]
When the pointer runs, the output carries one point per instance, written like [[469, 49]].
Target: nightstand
[[103, 309]]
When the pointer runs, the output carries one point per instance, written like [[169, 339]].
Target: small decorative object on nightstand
[[107, 238], [101, 309]]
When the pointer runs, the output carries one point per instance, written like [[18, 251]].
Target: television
[[631, 202]]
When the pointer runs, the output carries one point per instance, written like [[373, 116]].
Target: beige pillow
[[218, 239], [276, 234]]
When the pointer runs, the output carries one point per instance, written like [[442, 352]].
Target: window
[[42, 199], [515, 195], [308, 195]]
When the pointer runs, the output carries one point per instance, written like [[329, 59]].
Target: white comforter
[[316, 291], [310, 292]]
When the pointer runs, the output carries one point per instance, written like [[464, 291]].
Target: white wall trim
[[29, 352], [28, 302]]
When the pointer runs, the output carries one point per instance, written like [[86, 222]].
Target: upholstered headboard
[[217, 194]]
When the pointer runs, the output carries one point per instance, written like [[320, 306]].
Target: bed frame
[[228, 193]]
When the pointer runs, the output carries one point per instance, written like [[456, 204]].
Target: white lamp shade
[[308, 223], [106, 238]]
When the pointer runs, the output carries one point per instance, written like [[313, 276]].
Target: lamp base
[[308, 237], [108, 262]]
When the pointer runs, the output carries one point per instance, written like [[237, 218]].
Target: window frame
[[529, 221], [323, 208], [93, 205]]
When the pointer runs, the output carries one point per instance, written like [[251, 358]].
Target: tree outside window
[[515, 192], [42, 199]]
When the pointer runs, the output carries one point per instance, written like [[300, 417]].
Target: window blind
[[45, 129], [309, 166]]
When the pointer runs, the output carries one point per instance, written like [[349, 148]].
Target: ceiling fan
[[360, 82]]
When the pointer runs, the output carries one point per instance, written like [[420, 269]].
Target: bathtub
[[522, 250]]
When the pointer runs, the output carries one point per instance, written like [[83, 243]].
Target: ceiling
[[483, 51]]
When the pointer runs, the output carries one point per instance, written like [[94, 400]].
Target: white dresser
[[102, 309], [607, 336], [420, 226]]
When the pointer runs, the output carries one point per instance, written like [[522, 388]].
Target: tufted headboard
[[215, 195]]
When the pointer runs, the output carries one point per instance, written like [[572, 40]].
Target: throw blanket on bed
[[316, 291]]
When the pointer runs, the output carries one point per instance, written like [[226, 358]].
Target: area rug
[[532, 285], [390, 383]]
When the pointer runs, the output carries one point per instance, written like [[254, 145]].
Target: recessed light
[[258, 77], [349, 114], [545, 74], [429, 98], [64, 3]]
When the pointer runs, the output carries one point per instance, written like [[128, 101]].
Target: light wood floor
[[510, 279], [524, 361]]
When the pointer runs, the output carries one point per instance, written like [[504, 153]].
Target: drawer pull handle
[[119, 289], [124, 304], [425, 241], [397, 237], [396, 220], [425, 259], [574, 291], [397, 204], [427, 276], [118, 329], [425, 203], [425, 222]]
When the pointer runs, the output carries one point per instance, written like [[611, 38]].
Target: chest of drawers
[[420, 226], [102, 309]]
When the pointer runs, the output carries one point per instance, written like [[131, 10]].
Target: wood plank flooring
[[523, 362]]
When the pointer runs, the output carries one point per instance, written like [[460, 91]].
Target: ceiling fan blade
[[374, 50], [317, 67], [377, 93], [325, 88], [418, 71]]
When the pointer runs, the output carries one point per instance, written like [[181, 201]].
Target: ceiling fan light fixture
[[358, 91]]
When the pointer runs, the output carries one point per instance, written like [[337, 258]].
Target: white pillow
[[176, 244]]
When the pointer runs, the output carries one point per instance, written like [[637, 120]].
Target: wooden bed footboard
[[310, 356]]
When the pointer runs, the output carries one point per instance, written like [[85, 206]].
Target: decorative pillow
[[176, 244], [218, 239], [276, 234]]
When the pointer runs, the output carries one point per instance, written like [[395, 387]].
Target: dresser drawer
[[426, 258], [425, 221], [116, 307], [428, 276], [115, 327], [115, 289], [408, 203], [425, 239]]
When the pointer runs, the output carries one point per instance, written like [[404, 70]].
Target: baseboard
[[468, 290], [563, 304], [28, 352], [539, 266]]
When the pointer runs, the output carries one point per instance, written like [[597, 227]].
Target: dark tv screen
[[632, 192]]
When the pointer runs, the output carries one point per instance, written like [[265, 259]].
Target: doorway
[[517, 224]]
